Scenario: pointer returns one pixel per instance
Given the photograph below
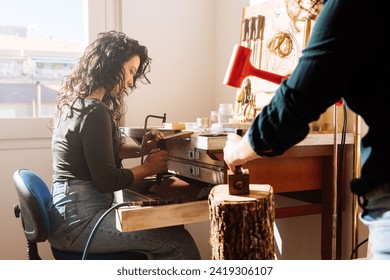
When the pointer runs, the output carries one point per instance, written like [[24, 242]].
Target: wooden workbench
[[305, 173], [139, 218]]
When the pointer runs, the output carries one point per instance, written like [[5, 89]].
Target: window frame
[[101, 15]]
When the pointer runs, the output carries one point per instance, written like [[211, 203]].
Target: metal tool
[[252, 33], [143, 203], [161, 144], [238, 181], [163, 120], [259, 35], [244, 31]]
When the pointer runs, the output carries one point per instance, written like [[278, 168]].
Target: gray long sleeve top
[[85, 145]]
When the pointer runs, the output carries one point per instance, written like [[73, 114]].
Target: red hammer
[[241, 67]]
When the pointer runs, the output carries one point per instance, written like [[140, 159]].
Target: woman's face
[[130, 67]]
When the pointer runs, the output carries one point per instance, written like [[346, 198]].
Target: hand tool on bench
[[161, 144], [238, 181]]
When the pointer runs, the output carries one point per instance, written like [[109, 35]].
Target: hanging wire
[[281, 44], [311, 7], [302, 10], [93, 232], [357, 247], [116, 206]]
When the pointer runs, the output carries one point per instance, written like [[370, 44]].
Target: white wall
[[228, 26], [18, 150], [190, 43]]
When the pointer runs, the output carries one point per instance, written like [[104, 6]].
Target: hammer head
[[239, 62], [240, 67]]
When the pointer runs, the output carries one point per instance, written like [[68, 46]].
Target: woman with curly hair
[[87, 153]]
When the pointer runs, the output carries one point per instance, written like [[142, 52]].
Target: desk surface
[[193, 209], [202, 141], [140, 218]]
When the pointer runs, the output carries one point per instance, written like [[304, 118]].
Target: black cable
[[92, 234], [357, 247], [342, 149], [340, 178], [129, 203]]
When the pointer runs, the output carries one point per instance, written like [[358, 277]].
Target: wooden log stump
[[242, 227]]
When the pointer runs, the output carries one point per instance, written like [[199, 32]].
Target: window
[[24, 118], [39, 43]]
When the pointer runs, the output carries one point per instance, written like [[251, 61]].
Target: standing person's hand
[[237, 151]]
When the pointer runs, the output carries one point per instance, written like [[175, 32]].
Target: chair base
[[128, 255]]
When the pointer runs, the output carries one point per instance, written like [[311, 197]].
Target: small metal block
[[238, 182]]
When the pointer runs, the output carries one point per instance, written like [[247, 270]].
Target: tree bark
[[242, 227]]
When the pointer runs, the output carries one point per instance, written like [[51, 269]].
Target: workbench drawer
[[212, 174]]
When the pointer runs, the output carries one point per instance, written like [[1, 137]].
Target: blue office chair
[[34, 196]]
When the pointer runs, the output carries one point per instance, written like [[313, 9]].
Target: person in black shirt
[[87, 153], [346, 58]]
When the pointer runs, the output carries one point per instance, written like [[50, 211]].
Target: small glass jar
[[213, 117], [225, 113]]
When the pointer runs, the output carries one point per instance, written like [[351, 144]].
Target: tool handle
[[250, 31], [253, 28], [162, 146], [269, 76], [244, 30], [238, 169], [141, 203], [260, 20]]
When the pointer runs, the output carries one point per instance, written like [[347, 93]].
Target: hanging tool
[[259, 34], [252, 36], [244, 31], [238, 181], [248, 96], [250, 33]]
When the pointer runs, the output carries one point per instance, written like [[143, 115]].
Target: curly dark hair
[[101, 66]]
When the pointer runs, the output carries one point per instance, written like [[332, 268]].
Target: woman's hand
[[150, 139], [156, 161]]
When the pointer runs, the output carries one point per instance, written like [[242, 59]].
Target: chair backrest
[[34, 196]]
